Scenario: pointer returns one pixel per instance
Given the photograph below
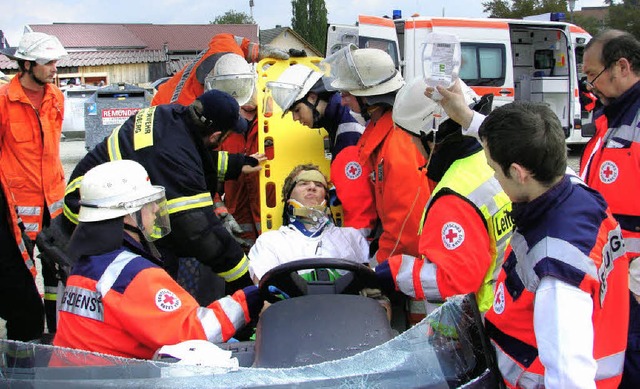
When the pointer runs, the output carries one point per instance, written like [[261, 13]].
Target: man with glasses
[[611, 159]]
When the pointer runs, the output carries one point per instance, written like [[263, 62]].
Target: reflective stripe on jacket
[[14, 224], [30, 152], [590, 256], [122, 304], [467, 226], [160, 139]]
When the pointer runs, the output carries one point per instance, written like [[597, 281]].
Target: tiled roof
[[97, 58], [93, 44], [80, 35], [178, 37], [267, 36], [189, 37]]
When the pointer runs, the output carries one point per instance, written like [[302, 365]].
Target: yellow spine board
[[293, 143]]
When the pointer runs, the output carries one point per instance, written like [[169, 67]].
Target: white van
[[510, 58]]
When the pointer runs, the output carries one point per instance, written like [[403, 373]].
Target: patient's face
[[308, 193]]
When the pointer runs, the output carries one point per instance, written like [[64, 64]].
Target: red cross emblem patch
[[353, 170], [167, 301], [452, 235], [608, 172]]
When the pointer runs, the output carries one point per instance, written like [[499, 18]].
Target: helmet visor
[[284, 93], [240, 86], [151, 215], [340, 71]]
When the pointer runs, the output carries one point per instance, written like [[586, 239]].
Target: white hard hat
[[120, 188], [293, 84], [362, 72], [232, 74], [197, 352], [39, 47], [414, 112]]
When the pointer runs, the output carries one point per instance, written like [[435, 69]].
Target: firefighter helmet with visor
[[292, 85], [361, 72], [119, 188], [232, 74]]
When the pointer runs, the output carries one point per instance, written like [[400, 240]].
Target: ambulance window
[[543, 59], [483, 64], [579, 54], [382, 44]]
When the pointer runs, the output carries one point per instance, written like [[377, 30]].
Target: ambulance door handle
[[505, 92]]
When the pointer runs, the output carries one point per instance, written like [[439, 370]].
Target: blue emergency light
[[558, 17]]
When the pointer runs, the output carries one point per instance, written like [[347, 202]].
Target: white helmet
[[232, 74], [362, 72], [292, 85], [196, 352], [39, 47], [414, 112], [120, 188]]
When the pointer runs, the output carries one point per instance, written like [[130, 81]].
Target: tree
[[517, 9], [625, 17], [310, 21], [233, 17]]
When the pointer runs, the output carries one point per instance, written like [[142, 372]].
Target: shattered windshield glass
[[447, 349]]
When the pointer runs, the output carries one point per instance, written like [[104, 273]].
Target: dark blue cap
[[221, 111]]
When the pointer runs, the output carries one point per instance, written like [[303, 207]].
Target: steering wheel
[[285, 277]]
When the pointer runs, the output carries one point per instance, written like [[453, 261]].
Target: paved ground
[[71, 151]]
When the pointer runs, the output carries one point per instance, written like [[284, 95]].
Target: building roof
[[599, 13], [98, 58], [267, 36], [92, 44], [178, 37]]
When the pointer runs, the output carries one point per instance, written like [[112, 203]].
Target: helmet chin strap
[[364, 111], [314, 111], [148, 246]]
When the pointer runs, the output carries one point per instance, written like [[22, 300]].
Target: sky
[[267, 13]]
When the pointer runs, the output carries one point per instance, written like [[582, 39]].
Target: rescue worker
[[609, 162], [31, 113], [242, 196], [192, 80], [466, 224], [307, 229], [560, 313], [118, 300], [174, 143], [224, 67], [301, 91], [20, 301], [612, 62], [369, 81]]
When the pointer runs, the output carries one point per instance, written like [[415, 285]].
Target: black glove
[[249, 160], [254, 301], [297, 52], [384, 275]]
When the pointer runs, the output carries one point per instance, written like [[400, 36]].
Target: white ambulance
[[512, 59]]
